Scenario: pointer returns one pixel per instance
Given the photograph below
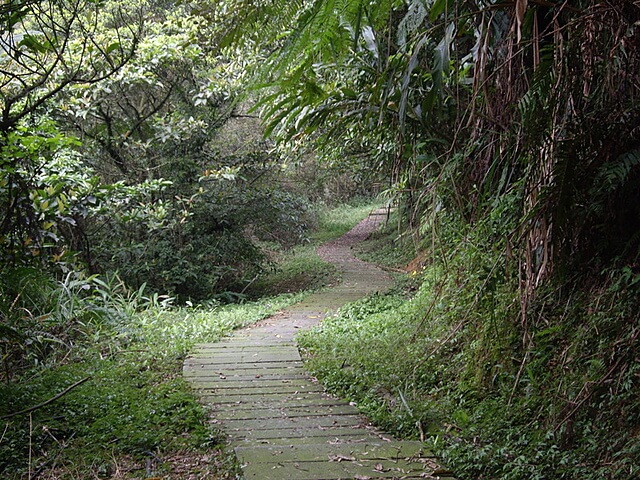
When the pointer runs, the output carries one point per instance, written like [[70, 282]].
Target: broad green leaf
[[114, 46], [438, 7], [32, 43]]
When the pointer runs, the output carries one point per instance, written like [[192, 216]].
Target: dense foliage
[[117, 155], [131, 178], [507, 135]]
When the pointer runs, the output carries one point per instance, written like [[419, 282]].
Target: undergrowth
[[555, 394], [123, 397]]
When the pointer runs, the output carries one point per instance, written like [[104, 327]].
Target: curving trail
[[280, 421]]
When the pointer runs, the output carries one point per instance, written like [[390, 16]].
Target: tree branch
[[51, 400]]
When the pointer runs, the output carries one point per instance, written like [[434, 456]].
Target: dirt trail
[[280, 421]]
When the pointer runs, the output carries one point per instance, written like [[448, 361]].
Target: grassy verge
[[294, 270], [333, 222], [300, 268], [449, 365]]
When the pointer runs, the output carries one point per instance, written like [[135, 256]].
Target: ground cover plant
[[125, 411], [445, 358]]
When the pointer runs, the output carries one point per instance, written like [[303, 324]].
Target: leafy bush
[[44, 318], [200, 246]]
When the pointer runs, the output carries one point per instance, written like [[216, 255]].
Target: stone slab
[[338, 470], [377, 450], [284, 424], [284, 411]]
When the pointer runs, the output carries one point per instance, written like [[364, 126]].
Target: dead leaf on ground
[[341, 458]]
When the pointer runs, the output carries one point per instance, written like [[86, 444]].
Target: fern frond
[[325, 31], [613, 175], [245, 20]]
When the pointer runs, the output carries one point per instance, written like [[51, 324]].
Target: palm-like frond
[[516, 90]]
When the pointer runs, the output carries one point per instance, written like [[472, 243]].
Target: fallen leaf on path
[[379, 468], [341, 458]]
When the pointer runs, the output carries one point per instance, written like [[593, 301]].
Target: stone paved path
[[280, 421]]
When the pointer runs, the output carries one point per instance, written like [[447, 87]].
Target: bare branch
[[45, 403], [38, 76]]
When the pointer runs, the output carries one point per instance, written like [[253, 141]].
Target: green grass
[[134, 407], [179, 329], [300, 268], [365, 355], [333, 222], [297, 269]]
